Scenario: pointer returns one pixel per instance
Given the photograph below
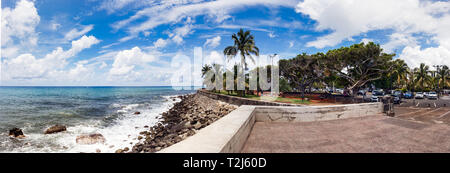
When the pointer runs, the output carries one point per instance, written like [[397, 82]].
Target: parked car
[[376, 96], [419, 95], [425, 94], [361, 93], [398, 93], [432, 95], [397, 99], [408, 95]]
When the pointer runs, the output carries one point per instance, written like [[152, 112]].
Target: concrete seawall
[[315, 113], [229, 134]]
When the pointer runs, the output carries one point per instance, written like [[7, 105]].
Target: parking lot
[[425, 110], [426, 103]]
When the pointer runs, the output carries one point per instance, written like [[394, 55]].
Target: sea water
[[84, 110]]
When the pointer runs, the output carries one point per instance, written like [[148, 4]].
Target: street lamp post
[[271, 76]]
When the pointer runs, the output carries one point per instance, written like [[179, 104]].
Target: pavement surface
[[426, 115], [373, 134], [426, 103]]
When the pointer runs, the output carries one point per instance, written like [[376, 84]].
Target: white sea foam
[[123, 132]]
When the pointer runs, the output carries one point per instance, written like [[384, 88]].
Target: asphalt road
[[426, 103]]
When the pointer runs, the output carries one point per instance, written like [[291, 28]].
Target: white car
[[432, 95], [419, 95]]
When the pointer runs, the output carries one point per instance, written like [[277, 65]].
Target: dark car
[[408, 95], [376, 95]]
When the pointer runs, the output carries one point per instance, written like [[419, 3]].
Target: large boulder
[[16, 132], [90, 139], [55, 129]]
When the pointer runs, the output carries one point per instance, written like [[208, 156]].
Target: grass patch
[[293, 101]]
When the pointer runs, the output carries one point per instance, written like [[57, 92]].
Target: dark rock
[[55, 129], [137, 113], [90, 139], [16, 132], [192, 112], [198, 125]]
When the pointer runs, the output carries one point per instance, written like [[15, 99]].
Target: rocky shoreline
[[184, 119]]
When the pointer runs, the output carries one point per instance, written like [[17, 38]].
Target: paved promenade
[[367, 134]]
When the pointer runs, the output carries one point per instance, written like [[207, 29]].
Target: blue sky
[[133, 42]]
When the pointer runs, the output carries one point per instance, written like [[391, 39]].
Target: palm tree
[[205, 69], [422, 75], [244, 45], [399, 72], [410, 83], [444, 77]]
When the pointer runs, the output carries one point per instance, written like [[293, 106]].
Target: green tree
[[301, 71], [209, 73], [410, 81], [399, 73], [359, 64], [244, 45], [444, 77], [422, 76], [284, 85], [205, 69]]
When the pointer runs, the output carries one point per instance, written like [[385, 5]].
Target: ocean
[[84, 110]]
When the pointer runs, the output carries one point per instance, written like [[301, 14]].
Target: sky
[[147, 43]]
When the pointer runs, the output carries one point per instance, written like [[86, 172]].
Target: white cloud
[[399, 39], [18, 26], [175, 11], [406, 18], [271, 35], [125, 61], [214, 57], [291, 44], [113, 5], [54, 26], [27, 66], [75, 33], [179, 33], [430, 56], [126, 38], [348, 18], [366, 40], [160, 43], [80, 72], [103, 65], [213, 42], [82, 43], [9, 51]]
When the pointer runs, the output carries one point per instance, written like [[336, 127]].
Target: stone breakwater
[[184, 119]]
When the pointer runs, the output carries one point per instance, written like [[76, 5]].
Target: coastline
[[184, 119], [110, 115]]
